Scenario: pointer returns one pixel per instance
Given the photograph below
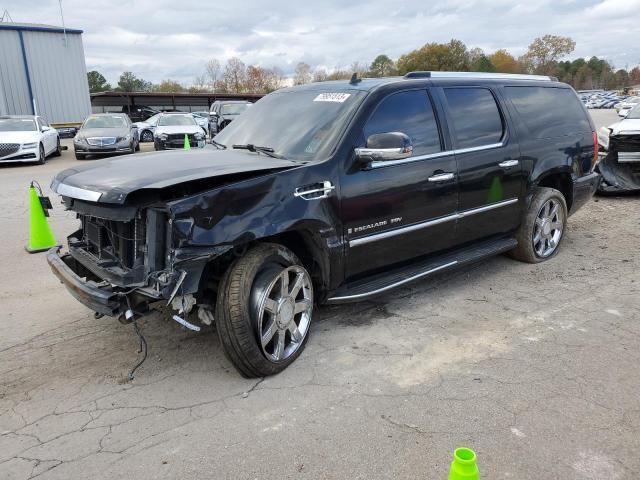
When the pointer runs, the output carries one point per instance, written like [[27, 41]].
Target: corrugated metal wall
[[57, 70], [12, 75]]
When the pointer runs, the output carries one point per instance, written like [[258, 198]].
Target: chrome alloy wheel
[[283, 313], [547, 230]]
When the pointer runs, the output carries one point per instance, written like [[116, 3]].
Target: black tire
[[526, 249], [236, 310], [58, 150], [80, 156], [137, 147], [146, 136], [42, 159]]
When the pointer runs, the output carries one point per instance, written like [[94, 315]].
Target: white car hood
[[628, 125], [169, 129], [19, 137]]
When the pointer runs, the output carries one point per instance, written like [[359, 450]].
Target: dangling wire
[[142, 347], [143, 343]]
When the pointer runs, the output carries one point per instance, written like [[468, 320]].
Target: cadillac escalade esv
[[326, 193]]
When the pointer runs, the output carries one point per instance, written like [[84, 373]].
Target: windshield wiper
[[221, 146], [256, 149]]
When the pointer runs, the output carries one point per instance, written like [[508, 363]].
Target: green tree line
[[544, 56]]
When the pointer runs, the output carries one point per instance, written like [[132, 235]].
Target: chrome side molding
[[418, 226]]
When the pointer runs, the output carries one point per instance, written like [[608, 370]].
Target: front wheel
[[542, 228], [42, 158], [263, 310], [147, 136], [58, 151]]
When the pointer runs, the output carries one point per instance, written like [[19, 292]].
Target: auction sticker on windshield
[[332, 97]]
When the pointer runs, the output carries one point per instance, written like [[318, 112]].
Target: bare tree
[[302, 74], [199, 83], [320, 75], [235, 75], [213, 73]]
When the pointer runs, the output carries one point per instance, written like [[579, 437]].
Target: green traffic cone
[[464, 465], [187, 145], [40, 235]]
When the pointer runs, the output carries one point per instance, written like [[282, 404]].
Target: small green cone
[[40, 235], [187, 145], [464, 465]]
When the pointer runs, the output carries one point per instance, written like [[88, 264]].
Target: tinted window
[[475, 116], [411, 113], [549, 112]]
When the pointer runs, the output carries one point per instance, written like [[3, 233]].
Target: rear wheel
[[263, 310], [542, 228]]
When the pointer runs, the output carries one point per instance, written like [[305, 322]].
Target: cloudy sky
[[159, 39]]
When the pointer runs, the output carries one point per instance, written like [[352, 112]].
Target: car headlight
[[603, 137], [126, 138], [30, 145], [78, 139]]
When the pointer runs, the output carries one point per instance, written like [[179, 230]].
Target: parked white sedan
[[27, 138]]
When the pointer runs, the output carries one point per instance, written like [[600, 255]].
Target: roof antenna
[[354, 79]]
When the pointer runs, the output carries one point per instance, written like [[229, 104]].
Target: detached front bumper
[[98, 296]]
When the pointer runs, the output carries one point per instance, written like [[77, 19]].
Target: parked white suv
[[172, 128], [27, 138]]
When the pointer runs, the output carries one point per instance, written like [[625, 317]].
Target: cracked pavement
[[533, 366]]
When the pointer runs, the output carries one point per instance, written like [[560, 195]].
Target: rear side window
[[547, 111], [475, 115], [411, 113]]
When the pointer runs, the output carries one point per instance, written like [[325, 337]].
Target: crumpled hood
[[19, 137], [110, 181], [631, 125]]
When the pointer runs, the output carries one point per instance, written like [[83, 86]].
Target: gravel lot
[[533, 366]]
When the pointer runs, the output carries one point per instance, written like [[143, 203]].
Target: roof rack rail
[[505, 76]]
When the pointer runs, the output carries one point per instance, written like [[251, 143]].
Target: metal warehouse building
[[43, 72]]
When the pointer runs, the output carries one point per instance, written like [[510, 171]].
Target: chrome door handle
[[311, 192], [441, 177], [509, 163]]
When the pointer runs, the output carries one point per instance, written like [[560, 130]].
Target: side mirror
[[382, 147]]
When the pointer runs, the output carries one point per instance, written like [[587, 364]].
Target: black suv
[[377, 183], [222, 113]]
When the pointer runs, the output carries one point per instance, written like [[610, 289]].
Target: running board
[[375, 285]]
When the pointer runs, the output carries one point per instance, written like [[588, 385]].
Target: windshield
[[299, 125], [634, 113], [234, 108], [105, 121], [152, 120], [176, 120], [17, 125]]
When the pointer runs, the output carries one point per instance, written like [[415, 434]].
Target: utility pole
[[63, 27]]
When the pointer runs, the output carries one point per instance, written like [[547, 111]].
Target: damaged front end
[[619, 164], [121, 261]]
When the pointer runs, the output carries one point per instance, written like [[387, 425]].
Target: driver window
[[411, 113]]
